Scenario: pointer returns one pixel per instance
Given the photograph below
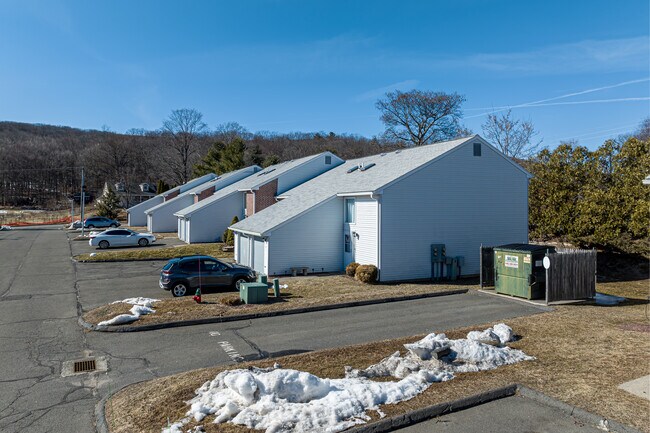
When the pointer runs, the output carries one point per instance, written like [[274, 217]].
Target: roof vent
[[383, 154], [398, 150], [365, 167], [350, 170]]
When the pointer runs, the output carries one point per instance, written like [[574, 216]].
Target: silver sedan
[[120, 238]]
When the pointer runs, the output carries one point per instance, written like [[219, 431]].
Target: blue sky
[[320, 65]]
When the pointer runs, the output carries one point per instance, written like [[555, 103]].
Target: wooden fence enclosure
[[571, 276]]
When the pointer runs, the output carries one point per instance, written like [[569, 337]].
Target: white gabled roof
[[181, 188], [202, 187], [249, 183], [388, 168]]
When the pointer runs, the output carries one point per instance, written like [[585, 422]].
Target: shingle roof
[[202, 187], [388, 168], [247, 183]]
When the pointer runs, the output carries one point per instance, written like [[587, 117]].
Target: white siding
[[305, 172], [461, 201], [313, 239], [208, 223], [137, 217], [365, 226], [163, 220]]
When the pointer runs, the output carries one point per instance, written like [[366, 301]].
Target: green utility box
[[254, 293], [519, 271]]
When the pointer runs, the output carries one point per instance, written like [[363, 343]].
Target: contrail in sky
[[541, 102]]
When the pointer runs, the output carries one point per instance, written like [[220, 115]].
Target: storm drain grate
[[84, 366]]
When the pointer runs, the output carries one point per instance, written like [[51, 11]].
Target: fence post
[[547, 280]]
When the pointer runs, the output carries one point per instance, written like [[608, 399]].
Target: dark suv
[[182, 276], [100, 222]]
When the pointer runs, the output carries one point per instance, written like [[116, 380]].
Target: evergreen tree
[[108, 205], [228, 235], [232, 156], [211, 161], [255, 156], [162, 187]]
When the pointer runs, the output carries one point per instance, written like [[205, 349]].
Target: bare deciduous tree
[[515, 138], [182, 130], [420, 117]]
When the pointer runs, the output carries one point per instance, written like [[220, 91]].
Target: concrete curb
[[416, 416], [91, 327], [614, 426], [118, 260]]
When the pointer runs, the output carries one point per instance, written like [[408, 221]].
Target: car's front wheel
[[103, 244], [238, 281], [143, 242], [179, 289], [90, 226], [113, 226]]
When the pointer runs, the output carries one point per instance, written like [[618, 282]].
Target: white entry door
[[349, 238]]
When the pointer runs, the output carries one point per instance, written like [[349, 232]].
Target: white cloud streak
[[381, 91]]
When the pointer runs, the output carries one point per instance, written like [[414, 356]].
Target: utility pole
[[83, 200]]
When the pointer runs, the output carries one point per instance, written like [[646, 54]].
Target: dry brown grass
[[302, 292], [158, 253], [582, 354]]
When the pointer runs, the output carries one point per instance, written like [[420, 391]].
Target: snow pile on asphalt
[[141, 307], [285, 400], [2, 228]]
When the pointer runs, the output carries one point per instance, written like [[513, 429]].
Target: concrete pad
[[508, 415], [639, 387]]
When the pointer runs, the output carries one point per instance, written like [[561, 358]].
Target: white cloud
[[380, 91], [629, 54]]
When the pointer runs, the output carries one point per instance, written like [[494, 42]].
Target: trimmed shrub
[[351, 269], [366, 274], [231, 301]]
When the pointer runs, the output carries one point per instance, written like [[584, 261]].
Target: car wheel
[[103, 244], [238, 282], [179, 289], [113, 226], [143, 242], [90, 226]]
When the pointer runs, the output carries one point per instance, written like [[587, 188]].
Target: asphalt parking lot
[[82, 247], [43, 292]]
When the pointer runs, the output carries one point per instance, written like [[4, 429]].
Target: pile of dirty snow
[[2, 228], [285, 400], [141, 307]]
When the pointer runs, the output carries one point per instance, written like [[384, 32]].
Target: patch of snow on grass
[[141, 307], [603, 299], [147, 302], [284, 400]]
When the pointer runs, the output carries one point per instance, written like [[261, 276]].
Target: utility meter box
[[518, 270], [254, 293]]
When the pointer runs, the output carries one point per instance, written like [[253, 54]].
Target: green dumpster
[[254, 293], [518, 270]]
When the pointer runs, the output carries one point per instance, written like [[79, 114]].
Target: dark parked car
[[182, 276], [100, 222]]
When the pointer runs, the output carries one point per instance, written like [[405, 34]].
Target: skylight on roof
[[365, 167], [350, 170]]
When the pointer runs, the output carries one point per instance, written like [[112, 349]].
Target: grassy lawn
[[583, 353], [302, 292], [157, 253]]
